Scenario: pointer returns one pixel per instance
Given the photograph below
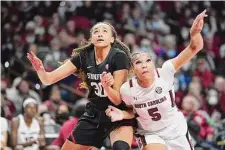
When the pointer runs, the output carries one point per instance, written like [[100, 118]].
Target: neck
[[101, 53], [27, 119], [145, 83]]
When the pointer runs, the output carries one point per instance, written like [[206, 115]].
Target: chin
[[101, 45], [146, 77]]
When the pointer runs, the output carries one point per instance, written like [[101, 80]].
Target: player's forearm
[[129, 114], [45, 77], [113, 95]]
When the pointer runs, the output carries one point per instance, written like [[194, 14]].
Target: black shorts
[[94, 126]]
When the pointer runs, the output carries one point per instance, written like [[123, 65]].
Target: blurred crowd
[[53, 29]]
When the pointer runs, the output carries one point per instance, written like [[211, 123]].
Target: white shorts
[[179, 143]]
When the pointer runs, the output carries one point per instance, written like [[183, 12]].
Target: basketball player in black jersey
[[105, 55]]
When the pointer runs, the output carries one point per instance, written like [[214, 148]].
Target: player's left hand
[[198, 23], [196, 43], [114, 113], [107, 79]]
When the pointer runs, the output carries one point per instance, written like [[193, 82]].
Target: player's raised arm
[[196, 43], [48, 78]]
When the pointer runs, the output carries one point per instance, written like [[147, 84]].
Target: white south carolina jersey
[[155, 105], [25, 133]]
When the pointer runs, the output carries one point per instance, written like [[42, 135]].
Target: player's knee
[[120, 145]]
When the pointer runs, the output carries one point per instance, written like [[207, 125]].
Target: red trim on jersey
[[136, 115], [172, 98], [131, 83], [72, 137], [157, 72]]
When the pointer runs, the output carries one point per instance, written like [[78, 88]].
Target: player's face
[[31, 110], [187, 104], [143, 66], [101, 35]]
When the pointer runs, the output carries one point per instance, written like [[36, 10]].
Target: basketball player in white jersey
[[161, 126], [27, 132]]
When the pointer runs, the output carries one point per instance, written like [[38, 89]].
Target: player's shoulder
[[85, 53], [125, 88], [118, 52], [166, 67], [128, 84]]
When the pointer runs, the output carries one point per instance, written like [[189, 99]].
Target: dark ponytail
[[120, 45]]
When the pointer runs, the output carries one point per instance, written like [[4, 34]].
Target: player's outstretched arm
[[196, 43], [48, 78]]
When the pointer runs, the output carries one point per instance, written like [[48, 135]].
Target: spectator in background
[[129, 40], [204, 73], [221, 62], [213, 104], [54, 56], [190, 106], [220, 86], [170, 46], [30, 32], [20, 90], [4, 128], [27, 132], [54, 101], [67, 127], [8, 106], [62, 114], [147, 46], [135, 23], [44, 115], [195, 88], [67, 36], [86, 10]]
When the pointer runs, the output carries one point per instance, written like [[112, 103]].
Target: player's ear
[[112, 40]]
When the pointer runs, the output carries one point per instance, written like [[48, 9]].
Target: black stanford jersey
[[85, 60]]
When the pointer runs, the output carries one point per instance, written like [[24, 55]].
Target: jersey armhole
[[157, 71], [131, 86]]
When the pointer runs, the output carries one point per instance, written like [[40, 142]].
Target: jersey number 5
[[154, 114]]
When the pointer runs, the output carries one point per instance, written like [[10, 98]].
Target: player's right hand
[[35, 61], [107, 79], [114, 113]]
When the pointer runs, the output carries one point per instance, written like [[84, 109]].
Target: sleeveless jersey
[[85, 60], [25, 133], [155, 106]]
